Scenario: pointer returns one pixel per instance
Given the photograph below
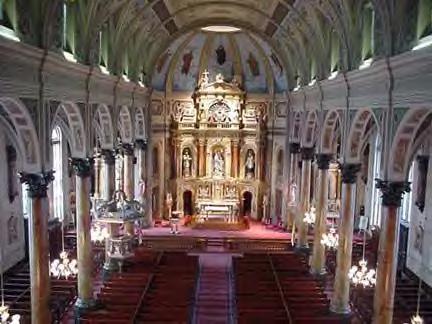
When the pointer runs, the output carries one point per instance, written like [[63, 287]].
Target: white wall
[[11, 220], [420, 261]]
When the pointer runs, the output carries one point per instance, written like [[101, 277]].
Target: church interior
[[206, 162]]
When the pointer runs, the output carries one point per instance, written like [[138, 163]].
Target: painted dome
[[234, 54]]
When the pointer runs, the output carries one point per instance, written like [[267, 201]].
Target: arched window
[[424, 19], [375, 212], [57, 158], [368, 19], [405, 210]]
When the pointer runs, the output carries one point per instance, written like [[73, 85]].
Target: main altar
[[218, 153]]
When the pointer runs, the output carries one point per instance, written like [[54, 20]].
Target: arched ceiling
[[302, 33], [239, 54]]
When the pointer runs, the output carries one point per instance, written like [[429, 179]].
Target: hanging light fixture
[[98, 234], [361, 275], [310, 216], [5, 316], [64, 267], [330, 239], [417, 319]]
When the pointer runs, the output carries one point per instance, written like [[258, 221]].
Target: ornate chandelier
[[63, 267], [310, 216], [98, 234], [361, 275], [330, 239], [417, 319], [6, 318]]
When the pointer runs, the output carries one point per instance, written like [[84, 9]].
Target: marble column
[[392, 193], [318, 253], [83, 168], [294, 150], [128, 180], [97, 175], [128, 176], [201, 158], [142, 177], [340, 299], [39, 247], [307, 154], [108, 160], [235, 158]]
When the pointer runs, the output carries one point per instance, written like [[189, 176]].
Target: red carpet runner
[[213, 292]]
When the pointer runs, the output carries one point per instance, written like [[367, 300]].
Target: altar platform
[[256, 230]]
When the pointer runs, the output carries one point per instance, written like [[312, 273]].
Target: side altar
[[218, 151]]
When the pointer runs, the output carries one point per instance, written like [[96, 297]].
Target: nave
[[241, 281]]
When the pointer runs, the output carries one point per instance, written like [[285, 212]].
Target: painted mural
[[221, 57], [254, 76], [280, 80], [187, 67], [189, 55], [163, 63]]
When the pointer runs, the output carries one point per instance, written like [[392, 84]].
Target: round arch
[[102, 123], [140, 126], [69, 113], [330, 131], [364, 123], [295, 135], [15, 114], [125, 125], [309, 131], [407, 137]]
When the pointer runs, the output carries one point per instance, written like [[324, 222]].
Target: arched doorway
[[247, 203], [187, 203]]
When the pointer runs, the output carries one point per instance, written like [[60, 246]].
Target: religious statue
[[250, 164], [205, 78], [292, 194], [218, 164], [187, 163]]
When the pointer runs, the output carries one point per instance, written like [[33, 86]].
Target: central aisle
[[213, 301]]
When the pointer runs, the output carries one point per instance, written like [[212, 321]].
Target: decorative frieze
[[349, 172], [307, 153], [323, 161], [82, 167], [392, 191], [294, 148], [108, 156], [37, 182]]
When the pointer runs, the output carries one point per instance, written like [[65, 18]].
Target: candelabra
[[330, 239], [64, 267], [361, 275], [310, 216]]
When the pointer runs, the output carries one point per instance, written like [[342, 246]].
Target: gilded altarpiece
[[217, 148]]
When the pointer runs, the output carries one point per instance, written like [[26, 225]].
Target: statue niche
[[218, 163], [187, 162], [250, 164]]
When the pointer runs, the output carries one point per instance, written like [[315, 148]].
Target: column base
[[302, 249], [318, 273], [82, 306], [340, 309]]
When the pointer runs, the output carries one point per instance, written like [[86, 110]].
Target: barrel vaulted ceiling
[[304, 34]]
